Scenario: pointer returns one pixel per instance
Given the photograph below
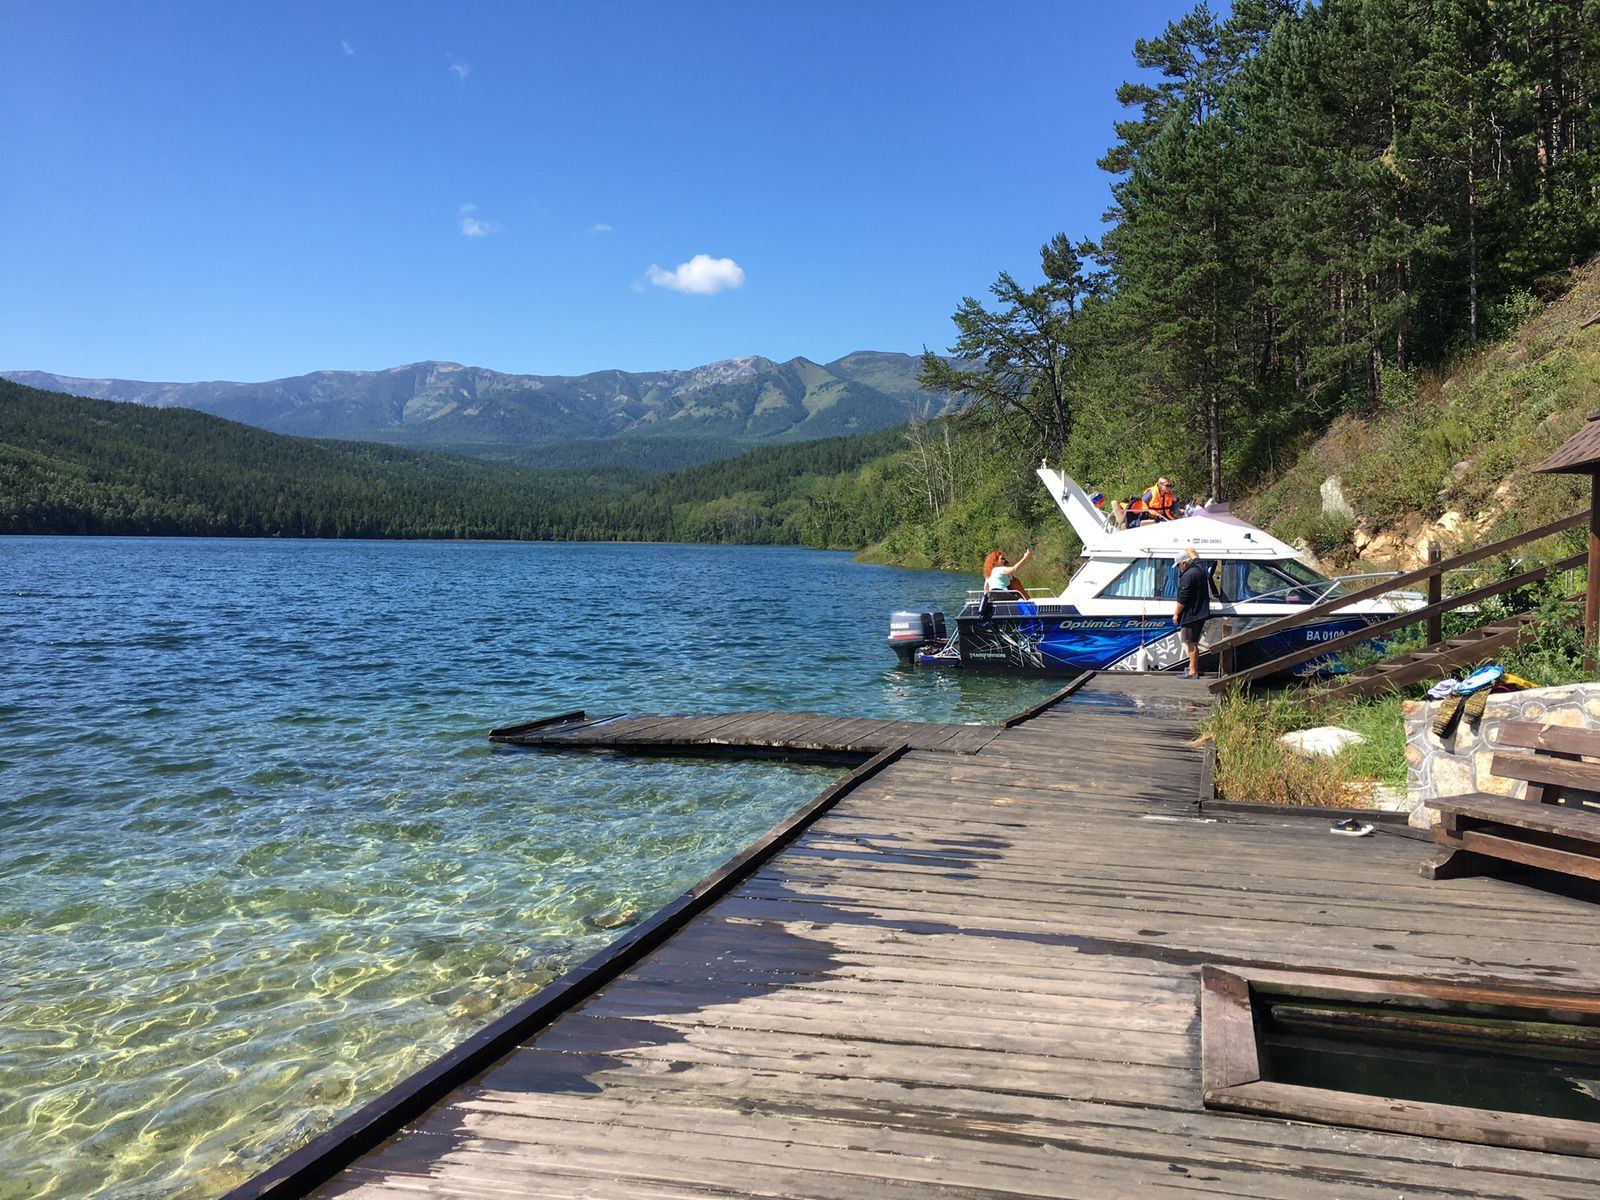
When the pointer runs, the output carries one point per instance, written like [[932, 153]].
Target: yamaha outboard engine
[[910, 631]]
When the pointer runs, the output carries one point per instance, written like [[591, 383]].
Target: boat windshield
[[1326, 588], [1283, 580]]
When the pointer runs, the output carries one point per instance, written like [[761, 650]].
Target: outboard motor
[[910, 631]]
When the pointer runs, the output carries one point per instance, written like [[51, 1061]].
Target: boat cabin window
[[1284, 581], [1302, 574], [1144, 579]]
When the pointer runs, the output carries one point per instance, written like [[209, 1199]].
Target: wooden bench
[[1555, 826]]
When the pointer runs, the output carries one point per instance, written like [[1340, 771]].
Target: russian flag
[[1096, 499]]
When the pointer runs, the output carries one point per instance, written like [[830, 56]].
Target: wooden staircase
[[1473, 646], [1433, 662]]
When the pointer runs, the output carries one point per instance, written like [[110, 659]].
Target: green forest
[[73, 465], [1315, 212], [1313, 209]]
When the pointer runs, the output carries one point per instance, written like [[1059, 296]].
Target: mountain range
[[728, 405]]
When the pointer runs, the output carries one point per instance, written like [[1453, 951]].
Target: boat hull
[[1018, 637]]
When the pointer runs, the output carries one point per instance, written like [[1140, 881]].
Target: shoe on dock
[[1350, 827]]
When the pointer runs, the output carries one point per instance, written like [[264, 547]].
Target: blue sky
[[255, 190]]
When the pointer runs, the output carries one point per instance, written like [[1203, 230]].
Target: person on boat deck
[[1194, 606], [1159, 501], [998, 573]]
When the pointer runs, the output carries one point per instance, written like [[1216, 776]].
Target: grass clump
[[1254, 765]]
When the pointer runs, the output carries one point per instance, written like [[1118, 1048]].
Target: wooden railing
[[1432, 572]]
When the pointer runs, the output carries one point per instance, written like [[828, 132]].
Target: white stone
[[1322, 742], [1333, 501]]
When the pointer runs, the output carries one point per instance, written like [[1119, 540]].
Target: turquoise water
[[260, 860]]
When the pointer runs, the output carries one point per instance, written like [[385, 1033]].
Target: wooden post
[[1225, 659], [1435, 594], [1591, 600]]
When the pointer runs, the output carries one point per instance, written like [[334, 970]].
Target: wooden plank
[[1515, 1130], [1581, 862], [1564, 820], [1048, 702], [1546, 768], [1530, 735], [506, 731], [955, 739], [1426, 666], [1196, 1138], [846, 732], [623, 727], [555, 735]]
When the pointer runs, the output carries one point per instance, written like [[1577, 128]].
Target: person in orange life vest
[[1158, 500]]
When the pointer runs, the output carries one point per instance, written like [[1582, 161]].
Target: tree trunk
[[1472, 232], [1214, 440]]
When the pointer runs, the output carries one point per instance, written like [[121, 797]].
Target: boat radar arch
[[1087, 521], [1214, 535]]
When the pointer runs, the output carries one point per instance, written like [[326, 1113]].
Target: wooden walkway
[[977, 975], [745, 735]]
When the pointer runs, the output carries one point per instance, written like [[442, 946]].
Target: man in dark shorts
[[1194, 606]]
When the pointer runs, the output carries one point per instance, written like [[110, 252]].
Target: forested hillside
[[1315, 209], [70, 465]]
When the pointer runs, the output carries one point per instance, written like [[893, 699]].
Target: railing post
[[1435, 594], [1225, 659], [1591, 592]]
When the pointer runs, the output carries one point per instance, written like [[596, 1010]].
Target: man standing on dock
[[1194, 606]]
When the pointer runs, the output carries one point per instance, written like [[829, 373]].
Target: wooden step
[[1394, 673]]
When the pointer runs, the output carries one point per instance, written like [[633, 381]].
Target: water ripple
[[260, 860]]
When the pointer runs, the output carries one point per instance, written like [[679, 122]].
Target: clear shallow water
[[260, 861]]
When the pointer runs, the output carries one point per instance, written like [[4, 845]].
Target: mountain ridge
[[750, 399]]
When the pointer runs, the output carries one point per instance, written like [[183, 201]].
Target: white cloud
[[600, 227], [461, 69], [473, 226], [702, 275], [348, 49]]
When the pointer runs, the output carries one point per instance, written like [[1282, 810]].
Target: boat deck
[[977, 975]]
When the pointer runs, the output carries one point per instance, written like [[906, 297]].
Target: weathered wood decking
[[768, 734], [773, 734], [976, 975]]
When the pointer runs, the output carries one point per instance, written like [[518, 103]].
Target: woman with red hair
[[998, 572]]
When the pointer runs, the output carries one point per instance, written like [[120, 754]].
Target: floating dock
[[796, 736], [965, 974]]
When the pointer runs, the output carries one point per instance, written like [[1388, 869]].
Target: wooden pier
[[811, 736], [967, 973]]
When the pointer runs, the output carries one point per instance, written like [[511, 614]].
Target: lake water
[[260, 861]]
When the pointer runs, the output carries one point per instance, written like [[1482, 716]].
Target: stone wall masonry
[[1459, 764]]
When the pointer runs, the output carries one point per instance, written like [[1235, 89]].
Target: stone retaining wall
[[1460, 763]]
